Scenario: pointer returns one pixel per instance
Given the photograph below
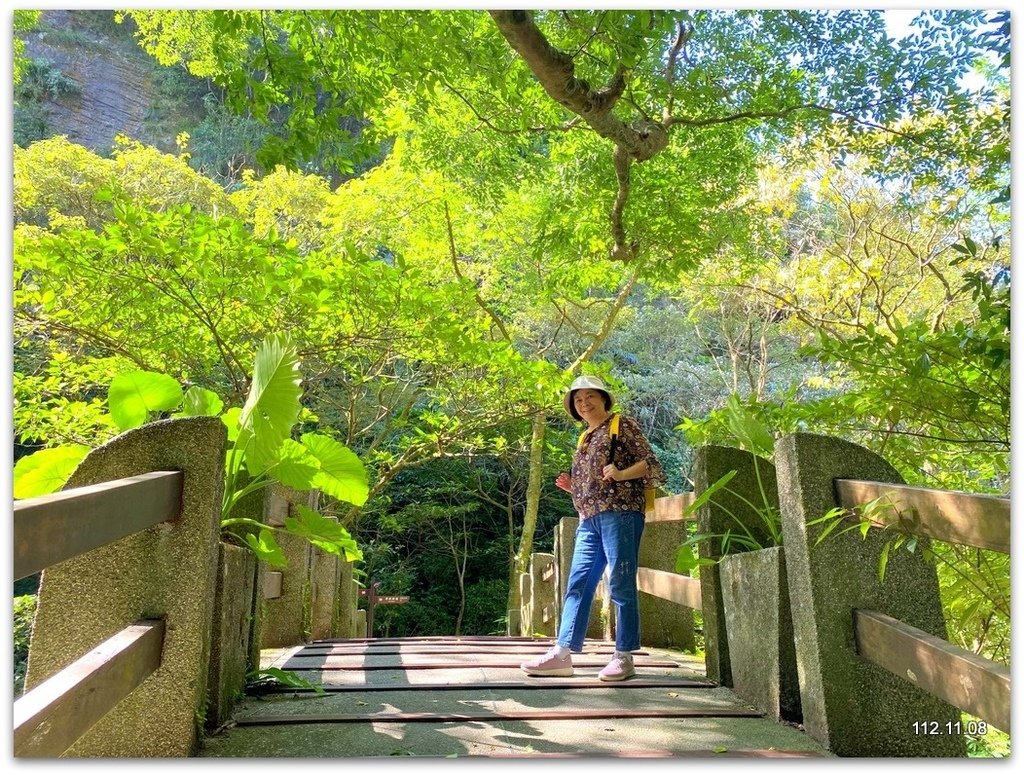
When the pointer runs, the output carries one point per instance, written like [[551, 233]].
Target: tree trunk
[[533, 486]]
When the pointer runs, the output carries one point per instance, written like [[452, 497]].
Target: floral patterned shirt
[[591, 495]]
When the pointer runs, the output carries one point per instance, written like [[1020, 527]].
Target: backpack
[[613, 433]]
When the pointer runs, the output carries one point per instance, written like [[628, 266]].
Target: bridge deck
[[455, 697]]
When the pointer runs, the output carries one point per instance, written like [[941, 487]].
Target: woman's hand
[[611, 474], [564, 482]]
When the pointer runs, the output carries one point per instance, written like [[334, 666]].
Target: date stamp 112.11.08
[[949, 727]]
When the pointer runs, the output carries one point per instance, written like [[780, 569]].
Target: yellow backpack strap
[[613, 431]]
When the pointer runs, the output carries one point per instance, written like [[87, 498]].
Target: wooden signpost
[[373, 600]]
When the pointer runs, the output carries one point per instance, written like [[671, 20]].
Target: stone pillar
[[851, 706], [168, 571], [565, 538], [360, 623], [346, 600], [324, 576], [543, 594], [232, 629], [514, 627], [605, 610], [526, 604], [285, 618], [662, 622], [755, 593], [712, 463]]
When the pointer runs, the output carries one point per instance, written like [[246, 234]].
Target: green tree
[[644, 82]]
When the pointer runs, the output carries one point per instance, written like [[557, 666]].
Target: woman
[[608, 493]]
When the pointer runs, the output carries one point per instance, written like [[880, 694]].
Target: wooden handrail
[[981, 521], [53, 528], [669, 586], [53, 715], [670, 508], [974, 684]]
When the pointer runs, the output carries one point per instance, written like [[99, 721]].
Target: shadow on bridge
[[454, 697]]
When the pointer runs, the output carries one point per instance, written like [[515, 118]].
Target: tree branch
[[458, 273], [606, 327], [555, 70]]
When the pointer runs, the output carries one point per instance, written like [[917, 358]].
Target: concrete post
[[543, 594], [285, 617], [716, 516], [360, 623], [232, 628], [755, 593], [168, 571], [850, 705], [325, 577], [526, 604], [514, 628], [346, 601]]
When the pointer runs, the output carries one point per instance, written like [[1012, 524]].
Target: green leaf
[[342, 474], [200, 402], [752, 435], [266, 548], [230, 420], [705, 496], [133, 395], [295, 468], [272, 407], [686, 559], [287, 678], [883, 561], [328, 534], [47, 470], [834, 516]]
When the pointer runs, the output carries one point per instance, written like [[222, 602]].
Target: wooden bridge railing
[[148, 626], [971, 683], [53, 528], [668, 585], [120, 650]]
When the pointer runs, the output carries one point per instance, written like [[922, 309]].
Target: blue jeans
[[609, 539]]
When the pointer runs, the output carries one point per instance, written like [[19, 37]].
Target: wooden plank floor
[[452, 697]]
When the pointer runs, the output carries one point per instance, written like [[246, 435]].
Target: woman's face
[[589, 403]]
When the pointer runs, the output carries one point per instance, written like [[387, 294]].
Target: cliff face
[[111, 79]]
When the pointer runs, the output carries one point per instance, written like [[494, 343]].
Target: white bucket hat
[[582, 383]]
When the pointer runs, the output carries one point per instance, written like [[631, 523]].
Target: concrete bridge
[[147, 626]]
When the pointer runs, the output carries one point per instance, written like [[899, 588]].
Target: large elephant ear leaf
[[200, 402], [342, 474], [295, 467], [47, 470], [134, 394], [327, 534], [272, 407]]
